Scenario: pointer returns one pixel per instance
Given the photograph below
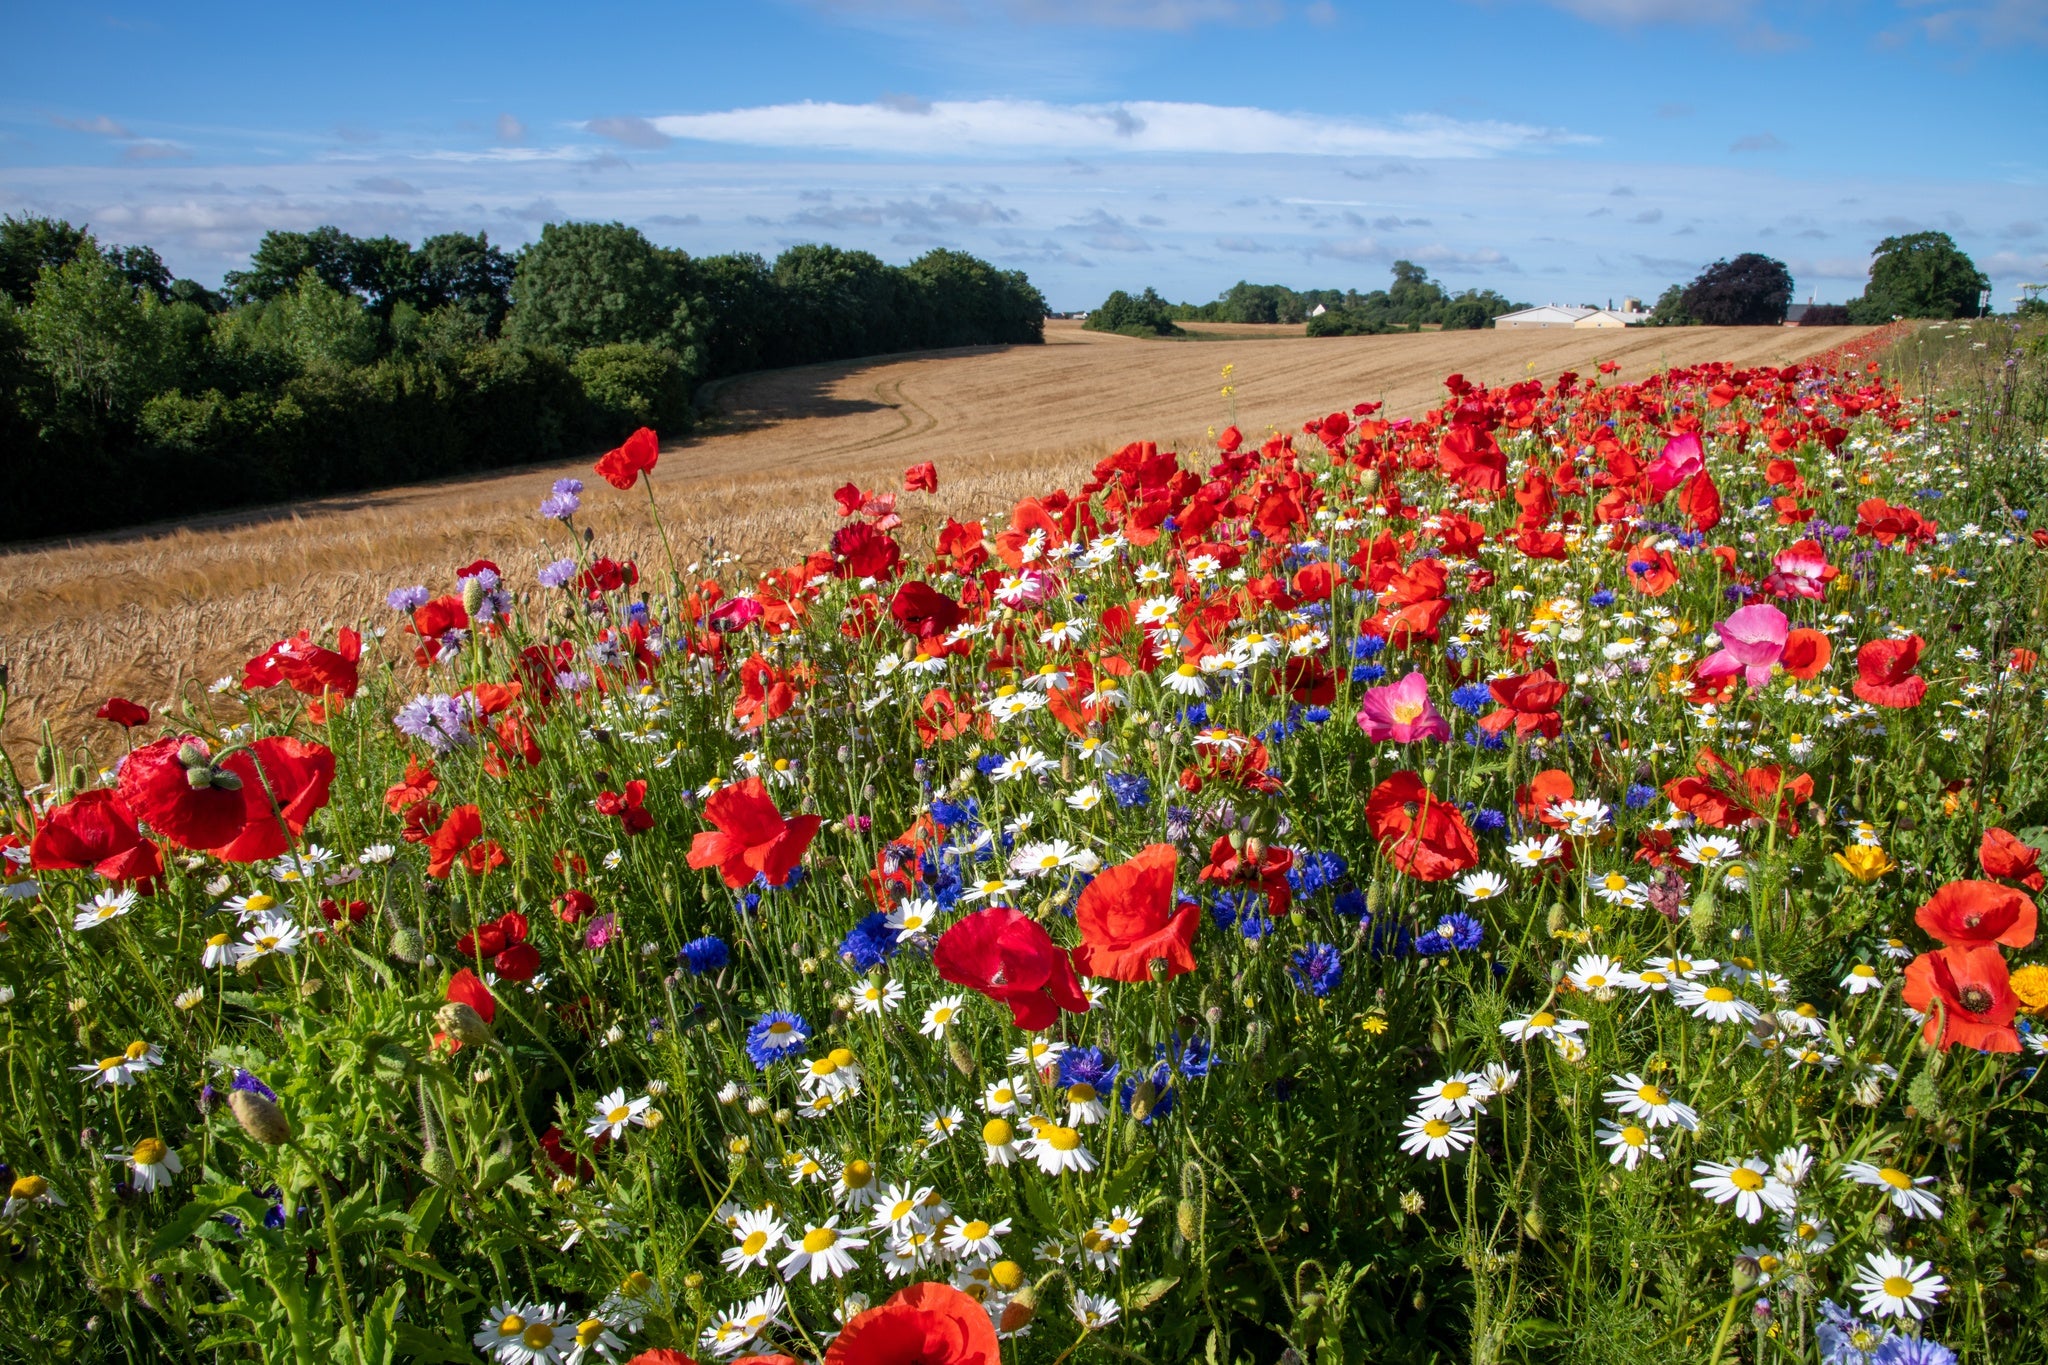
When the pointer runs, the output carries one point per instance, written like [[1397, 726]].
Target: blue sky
[[1567, 150]]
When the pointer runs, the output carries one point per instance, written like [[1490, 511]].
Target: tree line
[[1918, 275], [335, 362], [1413, 301]]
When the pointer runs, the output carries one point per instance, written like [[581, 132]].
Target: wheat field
[[157, 613]]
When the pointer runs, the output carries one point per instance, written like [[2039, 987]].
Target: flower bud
[[962, 1059], [223, 780], [200, 778], [1143, 1098], [472, 594], [1187, 1220], [192, 756], [408, 947], [260, 1118], [439, 1166], [462, 1023]]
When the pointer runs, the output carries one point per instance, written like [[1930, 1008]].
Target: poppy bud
[[408, 947], [260, 1118], [472, 594], [1019, 1311], [1369, 481], [46, 764], [223, 780], [1187, 1220], [462, 1023], [1532, 1219], [1143, 1098], [192, 756], [78, 777], [1556, 920], [962, 1059], [1440, 1036], [439, 1166]]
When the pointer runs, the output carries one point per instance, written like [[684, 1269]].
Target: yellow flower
[[1865, 862], [2030, 984], [1374, 1024]]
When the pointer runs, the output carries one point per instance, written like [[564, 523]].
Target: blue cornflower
[[1461, 931], [1845, 1339], [441, 723], [1472, 698], [791, 883], [706, 954], [1253, 925], [1087, 1066], [1481, 739], [1486, 820], [1317, 969], [1225, 907], [1162, 1102], [950, 813], [557, 574], [1196, 714], [988, 763], [1602, 598], [1314, 871], [779, 1034], [870, 943], [407, 599], [1316, 715], [1366, 646], [1391, 940], [1129, 789], [1193, 1061], [1367, 673], [1350, 904], [1639, 796], [1914, 1351]]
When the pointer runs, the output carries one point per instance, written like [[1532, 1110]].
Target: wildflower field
[[1547, 881]]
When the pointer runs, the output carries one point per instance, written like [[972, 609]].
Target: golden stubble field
[[154, 613]]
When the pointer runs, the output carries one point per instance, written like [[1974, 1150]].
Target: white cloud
[[98, 123], [1004, 126]]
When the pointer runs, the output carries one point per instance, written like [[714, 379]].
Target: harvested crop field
[[133, 614]]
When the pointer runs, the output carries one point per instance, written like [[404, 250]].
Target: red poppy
[[1701, 501], [1806, 653], [861, 551], [574, 906], [1967, 996], [1528, 702], [123, 712], [630, 806], [1469, 457], [1651, 571], [334, 911], [1970, 914], [2004, 856], [310, 669], [566, 1160], [417, 785], [1885, 676], [96, 829], [637, 455], [1262, 869], [927, 1323], [765, 693], [606, 574], [921, 478], [157, 784], [924, 611], [1418, 832], [751, 837], [1008, 957], [503, 942], [463, 827], [1535, 797], [296, 775], [1128, 919]]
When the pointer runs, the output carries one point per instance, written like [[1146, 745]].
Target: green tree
[[460, 270], [144, 270], [1669, 310], [310, 325], [282, 257], [596, 284], [1752, 290], [27, 244], [631, 384], [1920, 275], [1146, 314], [103, 346]]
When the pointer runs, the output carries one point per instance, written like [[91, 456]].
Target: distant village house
[[1580, 317]]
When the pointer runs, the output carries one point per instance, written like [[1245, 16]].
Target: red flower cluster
[[1964, 987], [1129, 919], [751, 836], [1008, 957], [248, 807], [502, 942]]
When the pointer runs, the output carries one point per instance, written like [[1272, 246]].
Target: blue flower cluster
[[869, 943], [1455, 932], [1317, 969], [1129, 789], [1472, 698], [704, 955]]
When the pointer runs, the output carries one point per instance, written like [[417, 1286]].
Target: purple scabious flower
[[408, 599], [441, 723], [562, 503], [557, 574]]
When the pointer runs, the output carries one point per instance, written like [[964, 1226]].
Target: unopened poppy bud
[[407, 946], [1255, 850], [1556, 920], [78, 778], [472, 594], [192, 756], [1019, 1311], [1187, 1220], [1143, 1098], [260, 1118], [199, 778], [1532, 1219], [1440, 1036], [439, 1166], [962, 1059], [1369, 481], [462, 1023], [46, 764], [223, 780]]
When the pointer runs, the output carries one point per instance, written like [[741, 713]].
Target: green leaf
[[183, 1225]]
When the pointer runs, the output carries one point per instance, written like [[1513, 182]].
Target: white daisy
[[1637, 1098], [1629, 1143], [1434, 1138], [823, 1250], [1897, 1286], [1749, 1184], [107, 905], [615, 1112], [1907, 1193]]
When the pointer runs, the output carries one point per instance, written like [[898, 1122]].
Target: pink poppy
[[1401, 712], [1680, 459], [1752, 639]]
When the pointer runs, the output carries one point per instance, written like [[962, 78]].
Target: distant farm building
[[1582, 317]]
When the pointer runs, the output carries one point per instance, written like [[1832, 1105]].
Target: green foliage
[[635, 385], [335, 362], [1920, 275], [1412, 301], [1669, 310], [1753, 290], [1145, 315]]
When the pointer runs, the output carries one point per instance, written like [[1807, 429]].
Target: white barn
[[1558, 315]]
